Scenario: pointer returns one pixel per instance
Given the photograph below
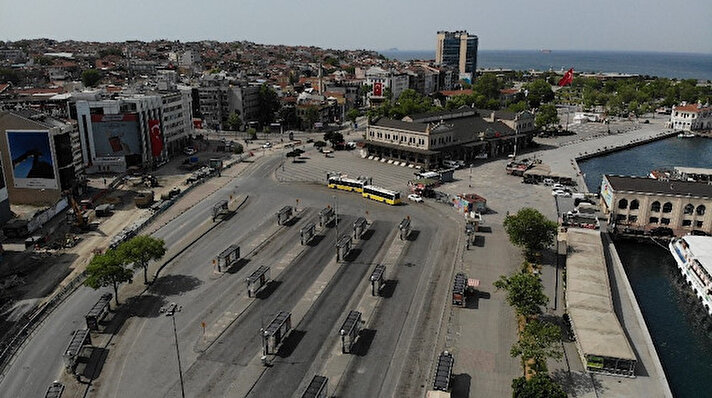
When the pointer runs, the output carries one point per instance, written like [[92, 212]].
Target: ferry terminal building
[[642, 204]]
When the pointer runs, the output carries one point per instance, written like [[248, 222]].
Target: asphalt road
[[309, 335], [373, 351]]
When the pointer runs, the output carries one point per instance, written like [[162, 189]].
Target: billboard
[[606, 193], [154, 127], [116, 135], [377, 89], [33, 164]]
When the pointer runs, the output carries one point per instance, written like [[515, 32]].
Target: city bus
[[348, 184], [381, 195]]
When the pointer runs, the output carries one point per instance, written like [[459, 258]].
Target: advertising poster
[[32, 159], [606, 193], [116, 135]]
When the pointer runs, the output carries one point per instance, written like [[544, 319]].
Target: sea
[[680, 330], [659, 64]]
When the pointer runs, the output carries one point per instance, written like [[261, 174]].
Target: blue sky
[[640, 25]]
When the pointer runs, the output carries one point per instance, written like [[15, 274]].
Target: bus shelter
[[317, 388], [220, 209], [276, 332], [343, 247], [80, 339], [404, 227], [307, 233], [325, 216], [97, 313], [443, 371], [349, 331], [257, 279], [377, 279], [284, 214], [360, 226], [227, 258]]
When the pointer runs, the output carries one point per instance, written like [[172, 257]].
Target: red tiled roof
[[691, 108], [506, 91], [33, 91], [3, 87], [452, 93]]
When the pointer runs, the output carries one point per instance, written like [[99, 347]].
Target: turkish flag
[[568, 78], [377, 89], [154, 128]]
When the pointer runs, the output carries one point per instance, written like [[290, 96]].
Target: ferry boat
[[686, 135], [693, 255]]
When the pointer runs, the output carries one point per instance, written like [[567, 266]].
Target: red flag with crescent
[[154, 128], [378, 89], [568, 78]]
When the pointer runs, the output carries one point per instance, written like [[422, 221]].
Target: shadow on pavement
[[363, 344], [315, 240], [388, 288], [95, 362], [171, 285], [461, 385], [352, 255], [578, 383], [367, 234], [485, 229], [291, 221], [291, 343], [268, 290], [239, 264], [479, 241], [413, 235]]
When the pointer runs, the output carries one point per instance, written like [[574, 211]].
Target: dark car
[[661, 231], [697, 232]]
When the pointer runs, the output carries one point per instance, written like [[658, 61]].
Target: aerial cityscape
[[194, 214]]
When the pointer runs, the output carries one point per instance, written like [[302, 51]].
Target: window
[[701, 210], [689, 208], [655, 206], [665, 221], [667, 207], [634, 204], [698, 224], [620, 217], [633, 218], [686, 223], [653, 220], [623, 204]]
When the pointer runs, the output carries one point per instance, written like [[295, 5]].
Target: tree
[[538, 386], [288, 116], [352, 115], [311, 116], [233, 121], [538, 92], [517, 107], [268, 105], [252, 132], [525, 293], [538, 341], [293, 155], [488, 85], [333, 137], [140, 250], [107, 270], [91, 77], [546, 116], [237, 148], [530, 230], [319, 144]]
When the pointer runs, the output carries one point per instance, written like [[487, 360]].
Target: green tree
[[311, 115], [530, 230], [518, 106], [141, 249], [252, 132], [525, 293], [352, 115], [319, 144], [107, 270], [91, 77], [546, 116], [488, 85], [538, 342], [288, 116], [333, 137], [44, 61], [538, 386], [538, 92], [233, 121], [237, 148], [410, 102], [268, 105]]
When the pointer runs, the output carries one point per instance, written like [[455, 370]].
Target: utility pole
[[170, 310]]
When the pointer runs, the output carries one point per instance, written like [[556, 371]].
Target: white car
[[189, 151], [560, 192], [415, 198], [558, 186], [267, 145]]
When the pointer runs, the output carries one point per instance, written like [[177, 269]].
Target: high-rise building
[[459, 50]]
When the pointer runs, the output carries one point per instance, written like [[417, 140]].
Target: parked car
[[267, 145], [548, 182], [189, 150], [415, 198], [661, 231], [560, 192]]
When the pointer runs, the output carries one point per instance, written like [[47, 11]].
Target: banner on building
[[378, 89], [116, 135], [154, 127], [33, 164]]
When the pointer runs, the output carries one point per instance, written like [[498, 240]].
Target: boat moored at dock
[[693, 255]]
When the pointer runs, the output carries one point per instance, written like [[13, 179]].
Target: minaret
[[321, 80]]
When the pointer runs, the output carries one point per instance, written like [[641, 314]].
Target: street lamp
[[170, 310], [336, 217]]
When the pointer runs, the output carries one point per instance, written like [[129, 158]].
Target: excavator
[[78, 218]]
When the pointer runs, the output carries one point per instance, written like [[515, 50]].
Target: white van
[[451, 163]]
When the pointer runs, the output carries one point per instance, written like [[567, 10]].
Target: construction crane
[[80, 220]]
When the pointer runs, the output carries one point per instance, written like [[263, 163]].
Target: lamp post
[[336, 217], [170, 310]]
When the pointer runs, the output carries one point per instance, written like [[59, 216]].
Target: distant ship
[[545, 51], [686, 135]]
